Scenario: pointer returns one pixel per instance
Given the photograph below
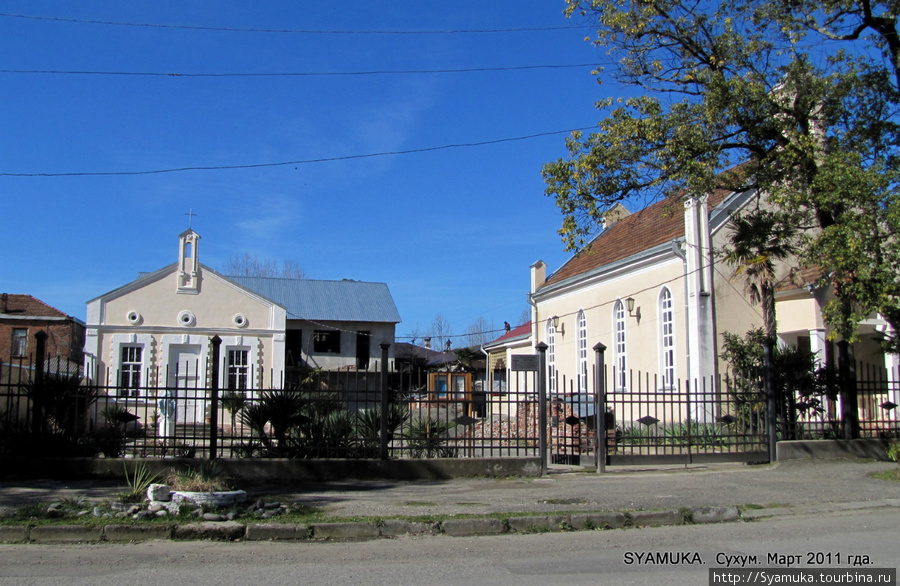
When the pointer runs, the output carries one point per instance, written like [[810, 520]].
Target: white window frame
[[621, 357], [129, 368], [114, 366], [582, 358], [19, 345], [551, 357], [667, 339], [240, 371]]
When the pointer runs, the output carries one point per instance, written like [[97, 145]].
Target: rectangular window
[[293, 347], [327, 342], [130, 371], [238, 370], [363, 351], [19, 342]]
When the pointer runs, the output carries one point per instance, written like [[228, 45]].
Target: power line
[[298, 162], [289, 31], [294, 74]]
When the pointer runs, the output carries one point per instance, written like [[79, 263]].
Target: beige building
[[157, 331], [653, 291]]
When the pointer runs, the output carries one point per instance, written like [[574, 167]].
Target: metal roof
[[326, 300]]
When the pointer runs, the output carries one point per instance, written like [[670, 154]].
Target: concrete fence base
[[275, 469]]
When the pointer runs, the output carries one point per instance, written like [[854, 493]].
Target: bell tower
[[189, 262]]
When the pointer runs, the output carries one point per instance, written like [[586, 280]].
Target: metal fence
[[50, 408], [313, 415]]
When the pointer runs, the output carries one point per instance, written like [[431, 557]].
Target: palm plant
[[758, 240]]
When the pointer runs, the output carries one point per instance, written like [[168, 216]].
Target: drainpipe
[[676, 248]]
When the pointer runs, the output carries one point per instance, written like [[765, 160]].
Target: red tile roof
[[514, 333], [28, 306], [654, 225]]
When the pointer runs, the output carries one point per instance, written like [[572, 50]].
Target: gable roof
[[517, 333], [652, 226], [326, 300], [14, 304]]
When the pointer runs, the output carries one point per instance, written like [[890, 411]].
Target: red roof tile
[[654, 225], [29, 306]]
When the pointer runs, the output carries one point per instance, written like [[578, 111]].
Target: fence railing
[[49, 408], [320, 415]]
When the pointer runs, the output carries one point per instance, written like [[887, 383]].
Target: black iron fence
[[49, 407], [341, 414]]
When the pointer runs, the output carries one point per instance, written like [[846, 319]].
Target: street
[[670, 555]]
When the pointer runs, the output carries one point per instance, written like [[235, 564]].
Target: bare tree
[[250, 265], [479, 332], [441, 332]]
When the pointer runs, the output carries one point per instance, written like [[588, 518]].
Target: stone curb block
[[216, 530], [345, 531], [12, 534], [539, 523], [702, 515], [276, 531], [395, 528], [656, 518], [583, 521], [136, 532], [466, 527], [65, 533]]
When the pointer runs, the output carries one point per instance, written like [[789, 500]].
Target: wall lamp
[[629, 305], [561, 328]]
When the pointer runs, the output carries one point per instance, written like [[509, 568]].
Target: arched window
[[582, 366], [666, 339], [619, 329], [551, 356]]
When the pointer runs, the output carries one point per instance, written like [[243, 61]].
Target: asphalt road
[[680, 555]]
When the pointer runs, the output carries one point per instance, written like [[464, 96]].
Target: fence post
[[849, 396], [601, 449], [771, 407], [542, 405], [383, 436], [214, 400], [38, 421]]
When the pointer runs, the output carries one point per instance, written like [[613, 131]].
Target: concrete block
[[345, 531], [611, 520], [714, 514], [65, 533], [656, 518], [539, 523], [13, 533], [276, 531], [464, 527], [395, 528], [217, 531], [137, 532]]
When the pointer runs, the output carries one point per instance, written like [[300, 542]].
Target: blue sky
[[451, 231]]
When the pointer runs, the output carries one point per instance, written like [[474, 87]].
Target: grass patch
[[891, 475], [419, 504]]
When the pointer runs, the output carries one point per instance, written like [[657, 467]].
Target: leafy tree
[[728, 95]]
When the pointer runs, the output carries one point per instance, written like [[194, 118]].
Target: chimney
[[428, 343], [4, 303], [614, 214]]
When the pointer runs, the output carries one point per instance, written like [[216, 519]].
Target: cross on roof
[[190, 215]]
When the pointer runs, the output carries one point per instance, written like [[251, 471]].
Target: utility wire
[[286, 163], [294, 74], [289, 31]]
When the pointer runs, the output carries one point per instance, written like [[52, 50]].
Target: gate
[[651, 421]]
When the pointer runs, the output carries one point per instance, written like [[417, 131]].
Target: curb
[[366, 530]]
